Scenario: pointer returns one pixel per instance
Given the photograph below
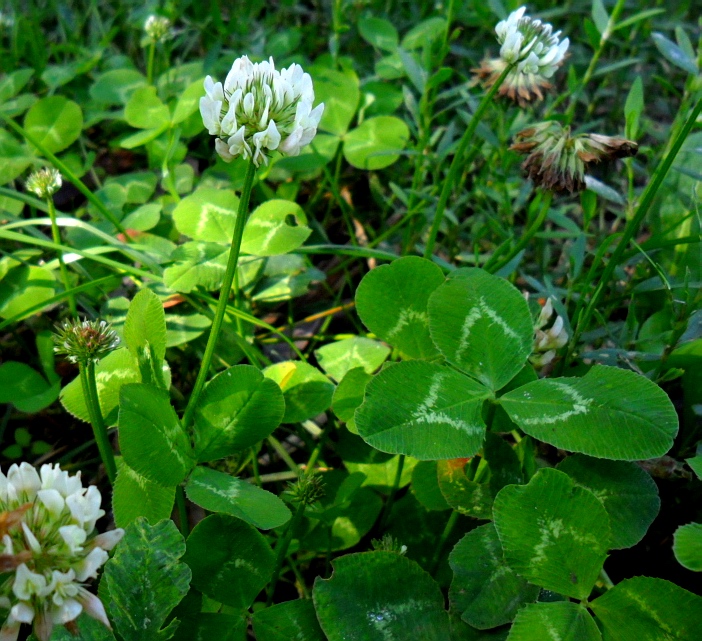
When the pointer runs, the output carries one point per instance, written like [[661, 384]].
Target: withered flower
[[557, 160]]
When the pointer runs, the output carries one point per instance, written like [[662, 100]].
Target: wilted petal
[[93, 607], [108, 540], [43, 627], [10, 630]]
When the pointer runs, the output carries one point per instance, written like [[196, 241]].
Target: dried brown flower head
[[557, 160]]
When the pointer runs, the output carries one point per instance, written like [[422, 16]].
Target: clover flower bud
[[533, 51], [259, 110], [7, 20], [389, 544], [44, 182], [85, 341], [49, 550], [557, 160], [157, 28], [547, 341], [307, 489]]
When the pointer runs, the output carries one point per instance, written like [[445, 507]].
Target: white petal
[[53, 501], [291, 145], [222, 149], [25, 479], [22, 612], [68, 611], [74, 536], [88, 567], [30, 538]]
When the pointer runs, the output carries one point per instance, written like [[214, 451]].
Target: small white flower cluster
[[260, 109], [49, 549], [547, 341], [157, 28], [531, 44], [44, 182], [7, 20]]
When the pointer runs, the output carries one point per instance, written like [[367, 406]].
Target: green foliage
[[596, 414], [218, 492], [400, 319], [294, 619], [688, 546], [238, 408], [565, 619], [645, 609], [134, 496], [377, 594], [306, 391], [146, 579], [435, 412], [489, 450], [482, 325], [484, 589], [230, 561], [627, 492], [152, 440], [554, 533]]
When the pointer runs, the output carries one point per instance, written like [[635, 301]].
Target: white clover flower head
[[259, 110], [7, 20], [531, 44], [547, 341], [533, 52], [157, 28], [50, 544], [83, 342], [44, 182]]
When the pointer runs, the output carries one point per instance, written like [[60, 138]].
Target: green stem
[[282, 452], [524, 240], [281, 549], [182, 511], [450, 524], [632, 227], [457, 162], [67, 173], [241, 216], [309, 469], [393, 492], [604, 577], [150, 64], [62, 266], [90, 394]]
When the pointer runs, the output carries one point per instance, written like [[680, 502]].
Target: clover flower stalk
[[48, 549], [256, 111], [86, 343], [532, 52], [307, 490], [157, 29], [458, 158], [44, 183]]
